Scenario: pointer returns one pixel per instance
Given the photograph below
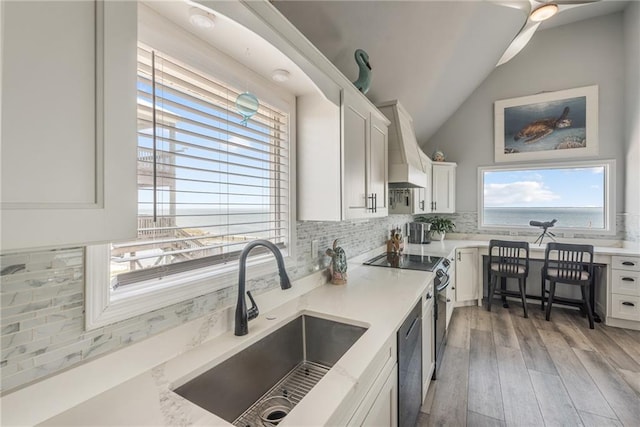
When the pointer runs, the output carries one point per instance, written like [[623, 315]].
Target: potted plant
[[439, 225]]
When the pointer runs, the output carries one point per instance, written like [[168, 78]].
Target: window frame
[[105, 305], [609, 196]]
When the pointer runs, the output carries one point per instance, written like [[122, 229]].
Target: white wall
[[632, 107], [581, 54]]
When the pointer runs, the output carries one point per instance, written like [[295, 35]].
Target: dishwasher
[[410, 368]]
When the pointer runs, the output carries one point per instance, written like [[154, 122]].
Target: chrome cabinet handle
[[629, 263], [630, 304], [422, 205]]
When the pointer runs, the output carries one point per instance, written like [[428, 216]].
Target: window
[[209, 181], [580, 196]]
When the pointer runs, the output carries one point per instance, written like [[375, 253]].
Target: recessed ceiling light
[[200, 18], [544, 12], [280, 75]]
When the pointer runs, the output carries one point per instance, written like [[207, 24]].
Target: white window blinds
[[207, 184]]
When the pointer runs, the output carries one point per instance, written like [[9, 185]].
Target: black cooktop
[[406, 261]]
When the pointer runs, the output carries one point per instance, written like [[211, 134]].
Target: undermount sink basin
[[268, 378]]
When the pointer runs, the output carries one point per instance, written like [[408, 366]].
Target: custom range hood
[[405, 165]]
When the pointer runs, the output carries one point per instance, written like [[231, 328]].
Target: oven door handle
[[442, 287]]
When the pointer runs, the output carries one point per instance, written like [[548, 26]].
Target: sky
[[575, 187]]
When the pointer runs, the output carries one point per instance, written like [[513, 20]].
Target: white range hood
[[405, 166]]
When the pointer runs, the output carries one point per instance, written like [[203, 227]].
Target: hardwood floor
[[500, 369]]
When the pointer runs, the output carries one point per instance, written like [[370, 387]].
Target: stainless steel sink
[[286, 363]]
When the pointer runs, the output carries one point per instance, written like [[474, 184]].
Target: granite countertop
[[379, 298]]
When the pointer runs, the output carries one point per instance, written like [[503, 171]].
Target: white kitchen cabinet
[[466, 275], [624, 292], [384, 410], [68, 123], [443, 187], [341, 159], [365, 158], [428, 344]]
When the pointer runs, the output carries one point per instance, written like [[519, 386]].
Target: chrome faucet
[[242, 314]]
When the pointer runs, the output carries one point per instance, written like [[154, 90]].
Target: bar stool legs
[[523, 292], [552, 293], [585, 298]]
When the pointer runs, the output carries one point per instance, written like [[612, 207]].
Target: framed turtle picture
[[549, 125]]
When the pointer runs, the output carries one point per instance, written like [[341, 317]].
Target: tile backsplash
[[42, 296], [42, 301]]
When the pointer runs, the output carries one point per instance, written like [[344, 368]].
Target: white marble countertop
[[133, 386], [379, 298]]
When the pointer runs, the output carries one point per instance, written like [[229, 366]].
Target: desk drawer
[[625, 263], [625, 282], [625, 307]]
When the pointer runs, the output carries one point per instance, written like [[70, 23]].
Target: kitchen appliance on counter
[[419, 232], [406, 261]]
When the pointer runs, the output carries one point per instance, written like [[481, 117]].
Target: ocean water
[[567, 217]]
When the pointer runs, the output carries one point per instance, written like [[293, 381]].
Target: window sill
[[104, 306]]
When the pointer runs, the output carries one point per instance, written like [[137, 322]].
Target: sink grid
[[294, 386]]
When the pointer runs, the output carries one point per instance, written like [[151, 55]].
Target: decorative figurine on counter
[[438, 156], [364, 76], [338, 266]]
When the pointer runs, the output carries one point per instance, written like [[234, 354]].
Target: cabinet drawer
[[625, 307], [625, 282], [625, 263]]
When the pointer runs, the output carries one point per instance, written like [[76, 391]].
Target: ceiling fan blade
[[519, 42], [573, 1]]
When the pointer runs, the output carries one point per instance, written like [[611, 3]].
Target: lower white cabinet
[[625, 290], [384, 411], [380, 405], [466, 274]]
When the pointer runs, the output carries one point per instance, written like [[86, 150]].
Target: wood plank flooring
[[500, 369]]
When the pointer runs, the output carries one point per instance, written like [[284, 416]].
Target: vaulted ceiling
[[430, 55]]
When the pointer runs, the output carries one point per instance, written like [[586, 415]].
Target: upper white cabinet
[[443, 188], [342, 159], [68, 123]]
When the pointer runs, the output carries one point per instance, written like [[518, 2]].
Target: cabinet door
[[378, 178], [419, 201], [384, 411], [466, 274], [68, 123], [355, 136], [428, 352], [428, 170], [444, 186]]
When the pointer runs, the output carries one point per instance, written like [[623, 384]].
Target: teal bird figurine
[[364, 76]]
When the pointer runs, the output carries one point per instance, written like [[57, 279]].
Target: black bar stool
[[508, 259], [567, 263]]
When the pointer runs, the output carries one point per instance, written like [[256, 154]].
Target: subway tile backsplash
[[42, 301]]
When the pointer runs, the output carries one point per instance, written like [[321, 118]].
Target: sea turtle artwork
[[538, 129], [364, 75], [338, 266]]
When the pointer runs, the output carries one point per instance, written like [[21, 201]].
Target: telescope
[[545, 226]]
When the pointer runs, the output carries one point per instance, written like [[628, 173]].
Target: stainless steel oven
[[441, 282]]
